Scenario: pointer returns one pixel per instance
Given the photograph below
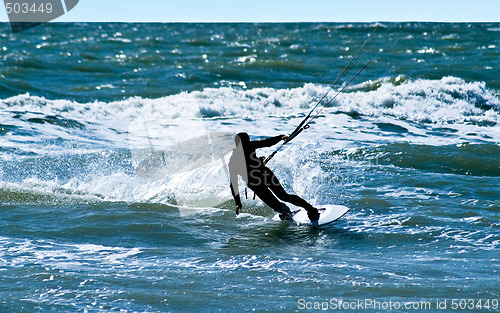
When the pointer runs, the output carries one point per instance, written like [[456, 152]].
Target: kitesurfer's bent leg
[[270, 199], [280, 192], [267, 197]]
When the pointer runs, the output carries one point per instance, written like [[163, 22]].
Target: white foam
[[63, 256], [448, 100], [420, 107]]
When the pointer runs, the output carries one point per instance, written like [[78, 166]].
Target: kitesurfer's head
[[242, 138]]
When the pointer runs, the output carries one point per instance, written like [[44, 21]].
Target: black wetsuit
[[259, 178]]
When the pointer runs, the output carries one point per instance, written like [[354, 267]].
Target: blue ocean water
[[91, 221]]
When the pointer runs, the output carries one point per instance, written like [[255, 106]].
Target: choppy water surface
[[412, 147]]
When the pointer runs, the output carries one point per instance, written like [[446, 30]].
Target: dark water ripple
[[110, 61]]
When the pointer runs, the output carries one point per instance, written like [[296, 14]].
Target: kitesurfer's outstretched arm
[[269, 142]]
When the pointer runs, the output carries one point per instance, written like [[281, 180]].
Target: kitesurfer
[[261, 180]]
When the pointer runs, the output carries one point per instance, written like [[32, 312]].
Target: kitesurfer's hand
[[238, 208], [284, 137]]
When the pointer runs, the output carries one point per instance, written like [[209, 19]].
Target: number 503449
[[471, 304], [27, 8]]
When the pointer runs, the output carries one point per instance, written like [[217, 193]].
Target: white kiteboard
[[327, 214]]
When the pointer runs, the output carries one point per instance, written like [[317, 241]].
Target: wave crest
[[447, 100]]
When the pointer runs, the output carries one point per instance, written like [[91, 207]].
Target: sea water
[[411, 146]]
